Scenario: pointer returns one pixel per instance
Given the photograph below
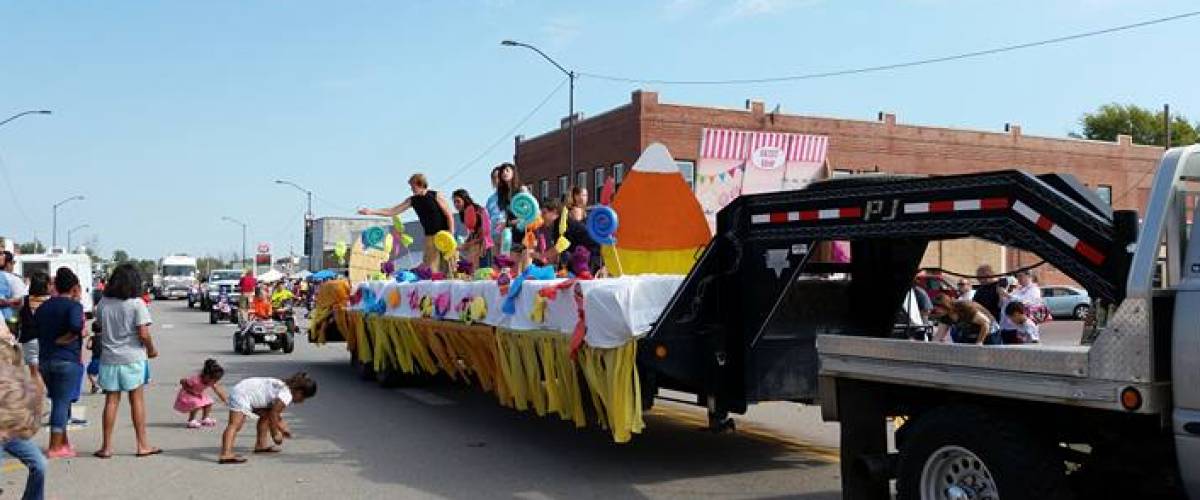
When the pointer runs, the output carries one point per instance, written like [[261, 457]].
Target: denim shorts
[[122, 378]]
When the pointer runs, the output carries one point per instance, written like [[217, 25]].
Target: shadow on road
[[471, 446]]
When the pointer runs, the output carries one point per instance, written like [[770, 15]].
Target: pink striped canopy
[[728, 144]]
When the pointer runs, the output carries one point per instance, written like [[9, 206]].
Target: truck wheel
[[247, 344], [212, 317], [958, 452], [1081, 311], [237, 343], [289, 343]]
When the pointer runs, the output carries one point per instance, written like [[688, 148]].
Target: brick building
[[606, 144]]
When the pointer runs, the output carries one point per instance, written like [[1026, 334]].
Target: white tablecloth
[[617, 309]]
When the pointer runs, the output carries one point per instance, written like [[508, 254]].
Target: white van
[[80, 263]]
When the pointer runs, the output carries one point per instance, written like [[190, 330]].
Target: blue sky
[[169, 115]]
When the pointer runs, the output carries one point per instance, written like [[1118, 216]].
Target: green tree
[[31, 247], [120, 256], [1144, 125]]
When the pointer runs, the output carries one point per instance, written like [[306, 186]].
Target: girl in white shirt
[[263, 399]]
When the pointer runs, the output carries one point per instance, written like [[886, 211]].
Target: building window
[[564, 187], [619, 173], [687, 169], [581, 179], [1104, 191], [545, 189], [599, 179]]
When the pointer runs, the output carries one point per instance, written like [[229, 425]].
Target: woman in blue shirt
[[60, 342]]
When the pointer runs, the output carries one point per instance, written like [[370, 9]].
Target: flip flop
[[269, 449], [234, 460], [149, 453], [102, 456]]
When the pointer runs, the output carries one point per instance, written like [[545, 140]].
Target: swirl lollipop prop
[[525, 207], [602, 224], [374, 237]]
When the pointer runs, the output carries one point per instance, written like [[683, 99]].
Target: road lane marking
[[426, 397], [750, 430]]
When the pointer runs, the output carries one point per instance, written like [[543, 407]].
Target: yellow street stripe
[[744, 428]]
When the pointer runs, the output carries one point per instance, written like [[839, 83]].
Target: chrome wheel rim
[[955, 473]]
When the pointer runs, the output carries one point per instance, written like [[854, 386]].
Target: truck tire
[[237, 343], [212, 317], [289, 343], [964, 452]]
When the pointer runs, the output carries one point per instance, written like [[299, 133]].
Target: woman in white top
[[1027, 292]]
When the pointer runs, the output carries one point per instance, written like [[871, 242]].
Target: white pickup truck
[[1117, 415]]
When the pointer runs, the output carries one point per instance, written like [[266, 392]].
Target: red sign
[[264, 247]]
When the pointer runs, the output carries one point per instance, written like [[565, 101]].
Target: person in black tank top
[[432, 210]]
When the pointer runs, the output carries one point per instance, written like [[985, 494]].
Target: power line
[[906, 64], [506, 135]]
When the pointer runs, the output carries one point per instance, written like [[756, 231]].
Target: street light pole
[[571, 99], [72, 231], [243, 224], [309, 214], [54, 235], [23, 113]]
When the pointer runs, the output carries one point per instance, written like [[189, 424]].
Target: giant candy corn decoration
[[662, 225]]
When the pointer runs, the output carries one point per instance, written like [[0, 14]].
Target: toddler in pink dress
[[193, 398]]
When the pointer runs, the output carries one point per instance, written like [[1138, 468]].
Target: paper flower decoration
[[525, 207], [444, 242]]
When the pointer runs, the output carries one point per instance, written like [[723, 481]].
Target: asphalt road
[[357, 440]]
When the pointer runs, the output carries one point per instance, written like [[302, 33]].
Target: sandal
[[149, 453], [102, 456], [269, 449], [231, 460]]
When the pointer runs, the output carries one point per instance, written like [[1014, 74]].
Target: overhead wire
[[900, 65], [463, 168]]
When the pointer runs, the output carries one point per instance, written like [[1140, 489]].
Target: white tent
[[270, 276]]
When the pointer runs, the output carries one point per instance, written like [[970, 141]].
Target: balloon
[[372, 237], [606, 194], [444, 242], [339, 250], [525, 207], [506, 241], [471, 218], [388, 244], [563, 243], [602, 223]]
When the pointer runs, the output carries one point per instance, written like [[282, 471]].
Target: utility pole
[[1167, 124]]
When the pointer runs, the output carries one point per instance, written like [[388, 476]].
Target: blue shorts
[[122, 378], [93, 367]]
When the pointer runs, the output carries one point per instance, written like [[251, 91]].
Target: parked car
[[936, 285], [1067, 301]]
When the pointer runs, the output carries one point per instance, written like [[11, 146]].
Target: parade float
[[555, 343]]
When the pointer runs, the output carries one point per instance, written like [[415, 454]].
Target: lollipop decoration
[[525, 207], [374, 237], [602, 223]]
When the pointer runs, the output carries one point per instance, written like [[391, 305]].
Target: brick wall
[[619, 135]]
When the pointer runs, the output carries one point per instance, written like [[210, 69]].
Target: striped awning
[[729, 144]]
